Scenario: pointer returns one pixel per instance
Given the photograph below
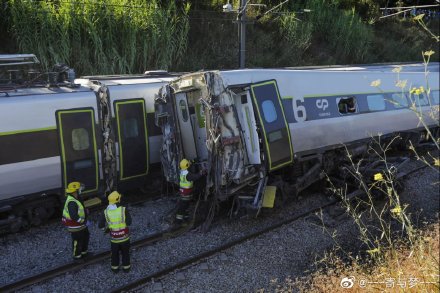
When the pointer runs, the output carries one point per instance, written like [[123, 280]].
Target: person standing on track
[[75, 219], [186, 190], [116, 219]]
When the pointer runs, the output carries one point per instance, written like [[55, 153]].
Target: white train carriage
[[246, 124], [99, 131], [130, 137]]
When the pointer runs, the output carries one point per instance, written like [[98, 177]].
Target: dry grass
[[403, 269]]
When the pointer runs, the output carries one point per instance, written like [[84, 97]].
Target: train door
[[132, 137], [274, 127], [186, 129], [243, 102], [78, 147]]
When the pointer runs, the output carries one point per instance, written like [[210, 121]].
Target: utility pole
[[241, 19]]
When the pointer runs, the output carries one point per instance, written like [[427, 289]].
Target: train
[[258, 132], [266, 133], [56, 129]]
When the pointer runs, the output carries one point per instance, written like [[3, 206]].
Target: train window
[[192, 110], [376, 102], [420, 100], [183, 110], [243, 99], [269, 111], [435, 97], [130, 128], [80, 139], [347, 105], [274, 136], [82, 164], [399, 100]]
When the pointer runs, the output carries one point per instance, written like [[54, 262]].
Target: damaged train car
[[257, 131], [98, 130]]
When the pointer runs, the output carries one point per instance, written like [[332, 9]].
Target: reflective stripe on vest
[[116, 223], [71, 224], [183, 183]]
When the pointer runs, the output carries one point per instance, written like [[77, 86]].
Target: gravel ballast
[[48, 246]]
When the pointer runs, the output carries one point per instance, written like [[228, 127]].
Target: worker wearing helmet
[[75, 219], [186, 189], [116, 220]]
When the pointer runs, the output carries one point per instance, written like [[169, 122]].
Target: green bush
[[101, 37]]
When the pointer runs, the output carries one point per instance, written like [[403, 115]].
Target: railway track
[[94, 258], [160, 236], [195, 259]]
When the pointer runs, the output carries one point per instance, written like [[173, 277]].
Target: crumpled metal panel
[[223, 131], [165, 119], [227, 159]]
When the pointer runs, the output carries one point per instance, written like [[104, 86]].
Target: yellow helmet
[[73, 187], [184, 164], [114, 197]]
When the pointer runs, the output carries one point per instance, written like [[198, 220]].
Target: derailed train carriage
[[259, 130], [98, 130]]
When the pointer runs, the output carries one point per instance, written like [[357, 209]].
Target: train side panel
[[145, 92], [310, 102], [131, 139], [30, 159], [302, 119]]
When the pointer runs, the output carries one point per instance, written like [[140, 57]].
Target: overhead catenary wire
[[394, 14], [406, 9], [273, 8], [410, 7]]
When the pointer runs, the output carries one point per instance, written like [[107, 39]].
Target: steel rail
[[73, 266]]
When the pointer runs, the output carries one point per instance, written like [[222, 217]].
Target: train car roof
[[381, 67], [406, 67], [40, 90], [147, 77], [334, 80]]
